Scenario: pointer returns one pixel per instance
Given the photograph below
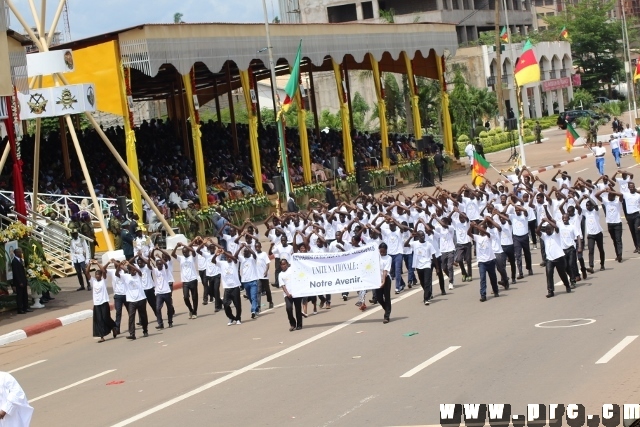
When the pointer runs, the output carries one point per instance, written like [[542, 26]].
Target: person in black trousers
[[291, 302], [383, 293], [438, 161], [555, 255], [20, 282]]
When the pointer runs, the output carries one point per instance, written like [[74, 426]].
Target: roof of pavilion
[[157, 52]]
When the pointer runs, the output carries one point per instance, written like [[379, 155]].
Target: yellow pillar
[[347, 147], [304, 140], [196, 135], [253, 132], [415, 111], [130, 138], [382, 112], [447, 130]]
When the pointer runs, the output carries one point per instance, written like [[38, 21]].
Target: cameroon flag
[[293, 84], [527, 69], [572, 135], [636, 72], [480, 165], [636, 149], [564, 33], [504, 35]]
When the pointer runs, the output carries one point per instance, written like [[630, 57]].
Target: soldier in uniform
[[538, 132], [115, 227], [74, 223]]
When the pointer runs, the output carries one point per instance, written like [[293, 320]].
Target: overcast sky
[[91, 17]]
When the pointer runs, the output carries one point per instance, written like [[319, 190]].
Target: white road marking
[[27, 366], [582, 170], [431, 361], [361, 403], [617, 349], [265, 360], [71, 385], [588, 322], [631, 167], [269, 309]]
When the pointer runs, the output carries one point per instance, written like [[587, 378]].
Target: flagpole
[[274, 93], [627, 48], [519, 108]]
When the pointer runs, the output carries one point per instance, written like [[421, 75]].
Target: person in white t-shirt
[[79, 256], [593, 231], [613, 216], [230, 280], [614, 144], [422, 253], [383, 293], [486, 260], [599, 152], [555, 255], [163, 293], [570, 245], [136, 299], [103, 324], [249, 275], [262, 267], [189, 277], [291, 302], [464, 252]]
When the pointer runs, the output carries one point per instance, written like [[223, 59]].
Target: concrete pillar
[[440, 4], [570, 89], [560, 95], [549, 99], [376, 9], [526, 104], [448, 5], [464, 34], [359, 15], [537, 100]]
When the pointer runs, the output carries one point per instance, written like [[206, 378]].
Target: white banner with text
[[334, 273]]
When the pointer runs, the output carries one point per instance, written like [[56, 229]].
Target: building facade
[[470, 16], [547, 97]]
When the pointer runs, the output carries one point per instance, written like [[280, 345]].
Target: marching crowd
[[426, 234]]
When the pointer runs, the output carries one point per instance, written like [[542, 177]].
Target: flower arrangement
[[16, 231], [180, 218], [38, 274], [308, 190]]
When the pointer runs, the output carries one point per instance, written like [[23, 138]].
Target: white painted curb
[[75, 317], [12, 337]]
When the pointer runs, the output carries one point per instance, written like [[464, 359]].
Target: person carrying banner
[[290, 301]]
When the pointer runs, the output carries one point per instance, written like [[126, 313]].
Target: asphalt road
[[346, 368]]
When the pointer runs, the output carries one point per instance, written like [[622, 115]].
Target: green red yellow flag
[[527, 69], [292, 85], [504, 35], [636, 72], [572, 135], [564, 33], [636, 148], [480, 166]]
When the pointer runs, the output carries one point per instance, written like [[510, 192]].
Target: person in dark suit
[[330, 197], [291, 205], [20, 282]]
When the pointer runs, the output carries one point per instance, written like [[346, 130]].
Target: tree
[[360, 109], [394, 100], [595, 42], [276, 20], [468, 104], [177, 18]]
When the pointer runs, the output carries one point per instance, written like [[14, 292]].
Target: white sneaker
[[238, 323], [231, 322], [450, 286]]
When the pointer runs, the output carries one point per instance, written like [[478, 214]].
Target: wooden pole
[[5, 155], [314, 106], [54, 23], [87, 177], [65, 148], [36, 20], [43, 18], [234, 131], [215, 93]]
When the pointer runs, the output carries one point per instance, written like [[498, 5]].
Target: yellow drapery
[[130, 141], [415, 111], [196, 135], [347, 147], [447, 131], [382, 112], [253, 132], [304, 139]]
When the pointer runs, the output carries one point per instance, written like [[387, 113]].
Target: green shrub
[[499, 130], [463, 138], [492, 132], [483, 134]]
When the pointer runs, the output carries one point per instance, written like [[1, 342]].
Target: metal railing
[[61, 205], [54, 238]]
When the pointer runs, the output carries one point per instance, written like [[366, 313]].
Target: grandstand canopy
[[157, 53]]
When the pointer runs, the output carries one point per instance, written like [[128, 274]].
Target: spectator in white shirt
[[79, 256]]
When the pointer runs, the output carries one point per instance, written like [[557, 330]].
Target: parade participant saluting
[[555, 254], [189, 277], [103, 324]]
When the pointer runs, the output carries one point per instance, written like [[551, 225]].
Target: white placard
[[57, 101], [47, 63], [334, 273], [9, 247]]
